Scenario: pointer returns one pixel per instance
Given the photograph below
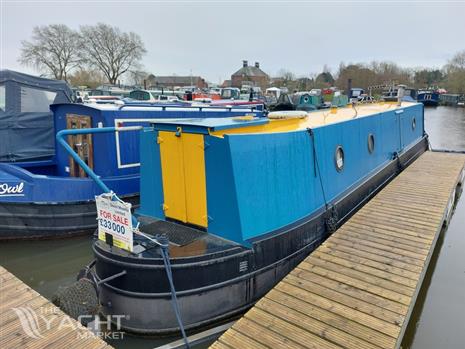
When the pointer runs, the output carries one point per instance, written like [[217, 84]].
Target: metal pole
[[68, 132], [60, 138]]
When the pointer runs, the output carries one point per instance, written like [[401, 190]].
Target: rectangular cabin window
[[34, 100]]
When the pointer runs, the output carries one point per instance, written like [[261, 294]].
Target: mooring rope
[[316, 166], [163, 242], [331, 222]]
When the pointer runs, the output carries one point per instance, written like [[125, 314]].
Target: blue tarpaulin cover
[[26, 122]]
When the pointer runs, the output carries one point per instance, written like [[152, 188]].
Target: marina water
[[437, 320]]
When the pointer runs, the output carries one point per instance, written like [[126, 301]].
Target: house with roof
[[250, 75]]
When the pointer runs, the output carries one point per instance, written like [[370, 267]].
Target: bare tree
[[137, 77], [113, 52], [52, 50], [286, 75]]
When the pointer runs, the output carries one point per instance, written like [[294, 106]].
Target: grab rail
[[69, 132], [82, 131]]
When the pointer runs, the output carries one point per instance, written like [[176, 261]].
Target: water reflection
[[446, 127], [438, 317], [48, 264]]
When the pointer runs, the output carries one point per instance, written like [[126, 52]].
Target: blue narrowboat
[[243, 202], [428, 97], [52, 196]]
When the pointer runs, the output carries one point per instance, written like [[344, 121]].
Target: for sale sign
[[114, 222]]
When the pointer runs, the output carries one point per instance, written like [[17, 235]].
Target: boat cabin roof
[[196, 125], [249, 124], [136, 106]]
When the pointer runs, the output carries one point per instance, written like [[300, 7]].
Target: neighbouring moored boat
[[392, 93], [449, 99], [428, 97], [307, 101], [52, 196], [243, 202], [26, 122]]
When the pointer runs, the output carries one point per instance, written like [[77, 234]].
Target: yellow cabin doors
[[81, 144], [183, 176]]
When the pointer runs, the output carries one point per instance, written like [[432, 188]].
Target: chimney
[[257, 65], [245, 63]]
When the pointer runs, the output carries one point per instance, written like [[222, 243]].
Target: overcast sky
[[211, 38]]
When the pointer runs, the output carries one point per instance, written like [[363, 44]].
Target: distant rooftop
[[247, 70]]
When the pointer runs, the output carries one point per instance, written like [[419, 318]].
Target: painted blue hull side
[[259, 183], [301, 183], [55, 189], [44, 206], [429, 99]]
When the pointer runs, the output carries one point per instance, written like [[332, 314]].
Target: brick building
[[250, 75]]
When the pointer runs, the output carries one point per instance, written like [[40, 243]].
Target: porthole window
[[371, 143], [339, 158], [414, 124]]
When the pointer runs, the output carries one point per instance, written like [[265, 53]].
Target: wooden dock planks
[[60, 332], [358, 289]]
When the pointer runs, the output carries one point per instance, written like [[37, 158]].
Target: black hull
[[214, 287], [41, 221]]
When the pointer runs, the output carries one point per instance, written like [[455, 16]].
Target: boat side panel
[[194, 167], [222, 206], [114, 154], [268, 169], [50, 189], [352, 137], [412, 124], [151, 179], [275, 178]]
